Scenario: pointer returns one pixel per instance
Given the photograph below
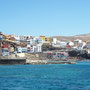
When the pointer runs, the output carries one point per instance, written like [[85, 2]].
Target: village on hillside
[[42, 47]]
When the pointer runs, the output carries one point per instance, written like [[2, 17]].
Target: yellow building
[[46, 40]]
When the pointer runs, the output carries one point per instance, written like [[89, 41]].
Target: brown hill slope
[[84, 37]]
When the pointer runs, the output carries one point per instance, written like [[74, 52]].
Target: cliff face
[[84, 37]]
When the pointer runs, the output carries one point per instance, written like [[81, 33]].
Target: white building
[[63, 44], [59, 44], [81, 46], [21, 50], [17, 38], [77, 42], [56, 43], [36, 48], [35, 44], [88, 45], [70, 43]]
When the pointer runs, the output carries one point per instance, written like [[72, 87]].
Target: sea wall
[[12, 61]]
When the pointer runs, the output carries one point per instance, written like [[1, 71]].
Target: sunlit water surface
[[45, 77]]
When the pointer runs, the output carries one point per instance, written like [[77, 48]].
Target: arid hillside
[[84, 37]]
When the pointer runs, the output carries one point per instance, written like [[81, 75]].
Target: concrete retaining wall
[[12, 61]]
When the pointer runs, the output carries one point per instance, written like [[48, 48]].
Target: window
[[45, 39]]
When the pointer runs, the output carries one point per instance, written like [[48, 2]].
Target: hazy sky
[[45, 17]]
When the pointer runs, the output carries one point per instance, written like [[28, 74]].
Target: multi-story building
[[81, 46], [17, 38], [34, 44], [58, 44], [46, 40], [77, 42], [1, 36], [1, 40], [55, 43], [88, 45]]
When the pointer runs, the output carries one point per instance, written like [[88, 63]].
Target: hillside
[[84, 37]]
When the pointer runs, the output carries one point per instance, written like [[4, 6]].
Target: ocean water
[[45, 77]]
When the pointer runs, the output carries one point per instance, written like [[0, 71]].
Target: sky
[[45, 17]]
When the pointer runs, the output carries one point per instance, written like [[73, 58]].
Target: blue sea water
[[45, 77]]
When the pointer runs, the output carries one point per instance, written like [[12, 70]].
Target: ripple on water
[[45, 77]]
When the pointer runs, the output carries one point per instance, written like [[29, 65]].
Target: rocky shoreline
[[24, 61], [32, 59], [40, 58], [49, 62]]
